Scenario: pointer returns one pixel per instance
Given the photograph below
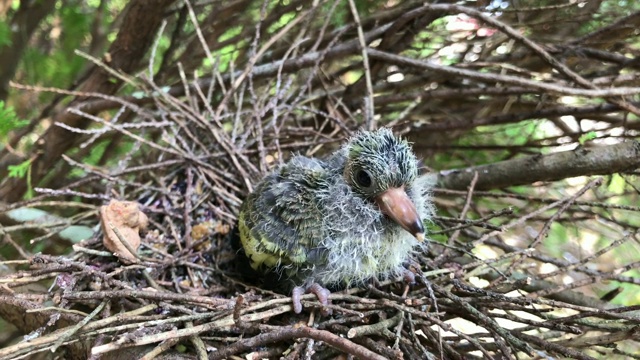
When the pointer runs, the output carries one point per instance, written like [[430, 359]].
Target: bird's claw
[[320, 292]]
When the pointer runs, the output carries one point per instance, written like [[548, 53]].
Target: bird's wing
[[281, 222]]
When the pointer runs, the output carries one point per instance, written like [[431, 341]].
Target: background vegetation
[[183, 105]]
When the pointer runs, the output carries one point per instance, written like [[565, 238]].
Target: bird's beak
[[396, 204]]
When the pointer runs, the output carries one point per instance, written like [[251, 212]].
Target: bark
[[583, 161]]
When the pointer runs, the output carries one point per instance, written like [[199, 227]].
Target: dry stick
[[125, 243], [59, 263], [100, 253], [74, 329], [119, 318], [467, 223], [220, 138], [535, 199], [465, 208], [187, 209], [292, 332], [620, 23], [399, 326], [579, 265], [434, 319], [488, 323], [587, 281], [125, 78], [149, 295], [444, 349], [8, 239], [414, 336], [249, 68], [591, 111], [176, 152], [374, 328], [239, 151], [121, 129], [628, 333], [43, 341], [553, 347], [508, 79], [515, 34], [225, 322], [369, 118], [565, 298], [8, 282], [198, 344], [365, 341], [547, 226], [153, 321], [447, 327], [162, 347]]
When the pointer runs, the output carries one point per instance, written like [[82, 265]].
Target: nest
[[180, 294], [485, 287]]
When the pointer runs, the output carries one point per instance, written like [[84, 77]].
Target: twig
[[70, 332], [287, 333]]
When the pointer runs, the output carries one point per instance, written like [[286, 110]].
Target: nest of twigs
[[180, 294], [486, 288]]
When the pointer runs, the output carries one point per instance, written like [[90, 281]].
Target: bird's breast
[[352, 260]]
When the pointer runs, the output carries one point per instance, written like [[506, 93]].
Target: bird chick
[[336, 223]]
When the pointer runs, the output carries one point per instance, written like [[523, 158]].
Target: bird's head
[[379, 167]]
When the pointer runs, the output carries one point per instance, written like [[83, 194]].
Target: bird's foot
[[320, 292], [409, 277]]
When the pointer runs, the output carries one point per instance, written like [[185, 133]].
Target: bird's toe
[[295, 298], [409, 277], [321, 293], [318, 290]]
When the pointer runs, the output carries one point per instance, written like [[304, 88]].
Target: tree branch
[[582, 161]]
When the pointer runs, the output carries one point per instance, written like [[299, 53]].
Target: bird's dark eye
[[363, 178]]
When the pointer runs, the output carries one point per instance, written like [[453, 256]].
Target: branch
[[582, 161], [291, 332], [555, 88]]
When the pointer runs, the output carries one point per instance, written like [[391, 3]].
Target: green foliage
[[23, 170], [5, 34], [630, 294], [56, 64], [426, 42], [20, 170], [616, 184], [586, 137], [495, 136], [94, 156], [228, 53], [556, 241], [433, 227], [9, 120]]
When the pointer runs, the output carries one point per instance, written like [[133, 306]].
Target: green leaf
[[9, 119], [586, 137], [23, 170], [20, 170]]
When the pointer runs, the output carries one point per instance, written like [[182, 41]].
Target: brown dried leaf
[[126, 217]]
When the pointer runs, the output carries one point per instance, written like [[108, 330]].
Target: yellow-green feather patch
[[262, 251]]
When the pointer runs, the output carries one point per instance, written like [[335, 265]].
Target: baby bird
[[336, 223]]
